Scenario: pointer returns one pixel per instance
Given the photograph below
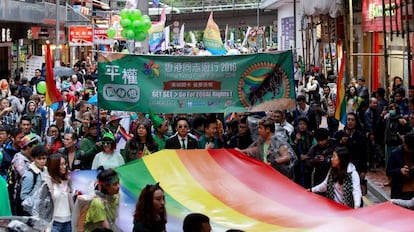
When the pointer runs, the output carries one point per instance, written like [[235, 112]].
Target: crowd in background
[[329, 158]]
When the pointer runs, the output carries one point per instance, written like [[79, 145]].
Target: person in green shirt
[[4, 199], [160, 130], [103, 208], [90, 145]]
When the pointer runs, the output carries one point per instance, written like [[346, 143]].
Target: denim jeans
[[62, 226]]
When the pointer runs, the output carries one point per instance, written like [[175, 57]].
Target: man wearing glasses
[[181, 140]]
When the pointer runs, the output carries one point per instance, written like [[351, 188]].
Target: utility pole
[[385, 47], [57, 48], [351, 40], [294, 31], [143, 6]]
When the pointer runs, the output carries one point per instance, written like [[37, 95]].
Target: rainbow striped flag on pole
[[340, 113], [212, 39], [52, 93], [156, 34]]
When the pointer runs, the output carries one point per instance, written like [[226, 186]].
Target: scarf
[[347, 191]]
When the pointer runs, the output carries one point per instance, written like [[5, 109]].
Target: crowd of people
[[39, 143]]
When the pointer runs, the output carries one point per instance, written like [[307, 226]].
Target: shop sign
[[372, 15], [100, 36], [80, 36], [5, 35]]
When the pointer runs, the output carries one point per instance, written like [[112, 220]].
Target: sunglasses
[[182, 126]]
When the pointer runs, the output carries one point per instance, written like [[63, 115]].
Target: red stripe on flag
[[52, 93]]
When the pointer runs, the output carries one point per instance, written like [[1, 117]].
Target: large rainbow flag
[[238, 192]]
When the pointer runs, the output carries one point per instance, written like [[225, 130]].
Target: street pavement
[[377, 191]]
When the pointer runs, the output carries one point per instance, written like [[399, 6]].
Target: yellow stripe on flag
[[188, 192]]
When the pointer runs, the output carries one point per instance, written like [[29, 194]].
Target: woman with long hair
[[342, 183], [103, 209], [61, 193], [150, 213], [141, 144]]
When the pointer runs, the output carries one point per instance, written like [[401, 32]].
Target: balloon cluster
[[135, 25]]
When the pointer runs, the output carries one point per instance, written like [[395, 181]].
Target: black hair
[[104, 176], [243, 120], [25, 118], [338, 174], [209, 121], [13, 88], [5, 128], [321, 134], [15, 131], [193, 222], [197, 122], [301, 98], [39, 151], [303, 119]]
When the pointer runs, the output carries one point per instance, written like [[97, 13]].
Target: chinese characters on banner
[[191, 84]]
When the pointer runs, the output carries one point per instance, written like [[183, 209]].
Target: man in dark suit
[[181, 140]]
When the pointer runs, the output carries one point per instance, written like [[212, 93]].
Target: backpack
[[80, 211], [14, 187]]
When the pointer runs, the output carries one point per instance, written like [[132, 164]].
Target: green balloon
[[124, 13], [41, 87], [124, 33], [147, 22], [138, 25], [130, 34], [111, 32], [125, 23], [140, 35], [136, 14]]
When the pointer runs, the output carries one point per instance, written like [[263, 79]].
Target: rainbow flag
[[52, 93], [340, 113], [156, 34], [212, 39], [239, 192]]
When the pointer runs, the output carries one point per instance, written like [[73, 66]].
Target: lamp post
[[57, 48]]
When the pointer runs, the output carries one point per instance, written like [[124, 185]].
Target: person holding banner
[[209, 139], [141, 144]]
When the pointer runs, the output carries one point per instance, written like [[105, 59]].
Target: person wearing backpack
[[19, 164], [33, 177]]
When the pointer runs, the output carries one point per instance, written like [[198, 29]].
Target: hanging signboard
[[194, 84], [80, 36]]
